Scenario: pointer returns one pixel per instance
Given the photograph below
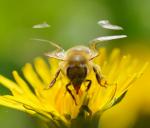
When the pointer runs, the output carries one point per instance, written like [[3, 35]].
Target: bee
[[77, 62]]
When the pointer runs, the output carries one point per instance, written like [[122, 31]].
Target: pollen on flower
[[55, 103]]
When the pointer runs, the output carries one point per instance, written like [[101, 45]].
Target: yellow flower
[[55, 105]]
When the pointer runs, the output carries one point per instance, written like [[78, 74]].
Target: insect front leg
[[89, 84], [54, 80], [69, 91], [99, 76]]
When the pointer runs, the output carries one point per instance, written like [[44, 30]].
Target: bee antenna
[[50, 42]]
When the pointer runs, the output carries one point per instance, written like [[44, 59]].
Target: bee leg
[[69, 91], [89, 84], [99, 77], [54, 80]]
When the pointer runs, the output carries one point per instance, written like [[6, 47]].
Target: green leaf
[[119, 99], [95, 121], [85, 119], [68, 117], [84, 111]]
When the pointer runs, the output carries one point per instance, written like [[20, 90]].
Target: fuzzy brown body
[[76, 66], [77, 75]]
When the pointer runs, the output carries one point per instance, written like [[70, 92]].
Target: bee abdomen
[[77, 74]]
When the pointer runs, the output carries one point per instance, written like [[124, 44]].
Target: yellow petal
[[33, 78], [13, 87], [42, 70], [23, 85], [12, 104]]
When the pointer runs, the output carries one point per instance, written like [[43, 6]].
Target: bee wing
[[107, 25], [42, 25], [59, 53], [100, 41], [107, 38]]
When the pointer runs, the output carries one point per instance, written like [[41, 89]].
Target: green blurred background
[[72, 23]]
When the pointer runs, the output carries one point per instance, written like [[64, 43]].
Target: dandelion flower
[[54, 106]]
